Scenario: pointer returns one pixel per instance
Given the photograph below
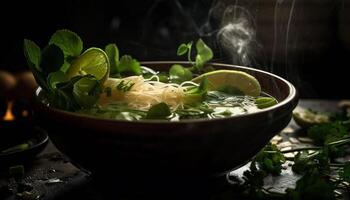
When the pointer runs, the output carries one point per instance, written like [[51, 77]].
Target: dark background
[[306, 42]]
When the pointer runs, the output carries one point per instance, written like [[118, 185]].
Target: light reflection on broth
[[215, 105]]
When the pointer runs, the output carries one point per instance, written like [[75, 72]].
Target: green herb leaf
[[185, 48], [345, 173], [179, 74], [204, 54], [313, 185], [55, 78], [158, 111], [70, 43], [327, 132], [196, 94], [52, 59], [265, 102], [63, 96], [113, 56], [270, 159], [32, 53], [86, 91], [124, 87], [194, 112], [128, 64], [182, 49], [303, 161]]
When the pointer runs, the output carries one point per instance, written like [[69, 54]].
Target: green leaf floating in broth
[[265, 102], [159, 111]]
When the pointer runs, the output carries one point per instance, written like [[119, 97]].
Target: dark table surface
[[53, 176]]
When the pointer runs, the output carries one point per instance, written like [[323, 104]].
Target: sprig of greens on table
[[321, 176]]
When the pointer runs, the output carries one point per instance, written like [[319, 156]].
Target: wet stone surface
[[52, 176]]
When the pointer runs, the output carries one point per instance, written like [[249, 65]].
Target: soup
[[142, 95], [98, 82]]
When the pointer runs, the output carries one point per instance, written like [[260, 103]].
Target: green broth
[[215, 105]]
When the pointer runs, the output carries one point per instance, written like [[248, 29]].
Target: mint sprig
[[70, 43]]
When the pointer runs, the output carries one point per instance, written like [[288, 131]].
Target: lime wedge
[[238, 80], [306, 118], [93, 61]]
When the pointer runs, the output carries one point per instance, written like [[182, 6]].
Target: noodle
[[145, 93]]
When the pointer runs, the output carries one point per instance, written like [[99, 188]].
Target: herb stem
[[189, 53], [340, 142], [302, 149]]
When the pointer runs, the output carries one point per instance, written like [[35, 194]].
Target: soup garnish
[[101, 83]]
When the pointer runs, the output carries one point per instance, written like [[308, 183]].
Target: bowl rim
[[40, 134], [293, 95]]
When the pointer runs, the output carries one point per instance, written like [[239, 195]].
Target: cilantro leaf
[[113, 57], [313, 185], [327, 132], [70, 43], [129, 64], [179, 74], [270, 159], [158, 111]]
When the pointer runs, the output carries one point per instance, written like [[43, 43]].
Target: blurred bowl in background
[[7, 83]]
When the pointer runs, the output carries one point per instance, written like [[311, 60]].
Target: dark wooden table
[[52, 176]]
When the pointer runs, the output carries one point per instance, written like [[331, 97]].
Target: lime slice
[[93, 61], [239, 80], [306, 118]]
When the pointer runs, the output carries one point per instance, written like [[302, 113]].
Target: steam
[[237, 35]]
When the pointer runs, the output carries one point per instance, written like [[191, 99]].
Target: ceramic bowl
[[155, 147]]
